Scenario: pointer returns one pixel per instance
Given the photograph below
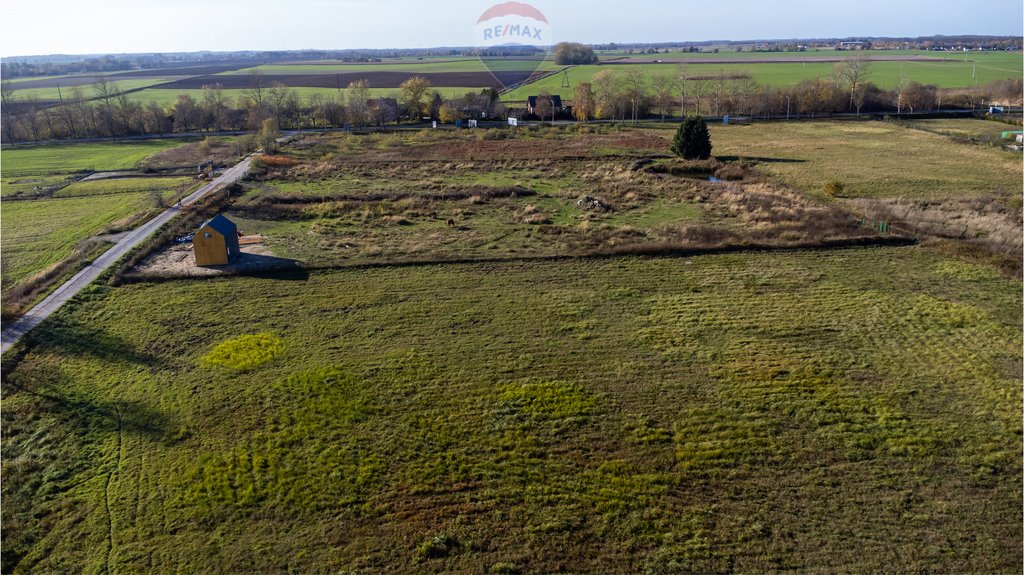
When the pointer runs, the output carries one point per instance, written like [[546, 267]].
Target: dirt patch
[[177, 260]]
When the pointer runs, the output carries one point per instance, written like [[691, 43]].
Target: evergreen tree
[[692, 140]]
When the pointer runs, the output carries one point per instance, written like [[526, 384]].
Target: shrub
[[833, 188], [692, 140]]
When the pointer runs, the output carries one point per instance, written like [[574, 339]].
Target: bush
[[692, 140], [833, 188]]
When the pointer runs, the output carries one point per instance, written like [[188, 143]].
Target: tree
[[6, 104], [636, 88], [901, 87], [411, 94], [545, 107], [606, 91], [449, 112], [682, 79], [851, 74], [358, 103], [267, 138], [213, 104], [186, 114], [254, 93], [583, 102], [692, 140], [574, 54], [106, 93], [663, 97]]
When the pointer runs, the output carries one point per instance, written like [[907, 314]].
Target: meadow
[[49, 215], [334, 199], [25, 161], [40, 233], [875, 159], [713, 414]]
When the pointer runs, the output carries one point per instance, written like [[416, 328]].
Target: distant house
[[383, 110], [215, 242], [556, 102]]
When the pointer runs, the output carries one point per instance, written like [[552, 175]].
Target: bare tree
[[851, 74], [901, 87], [213, 104], [663, 97], [636, 87], [6, 107], [255, 92], [682, 79], [698, 86], [106, 94]]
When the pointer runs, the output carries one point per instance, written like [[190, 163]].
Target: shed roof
[[556, 101], [221, 225]]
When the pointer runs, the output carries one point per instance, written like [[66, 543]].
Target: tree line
[[104, 110], [633, 95]]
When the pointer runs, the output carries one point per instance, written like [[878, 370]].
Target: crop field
[[413, 67], [730, 413], [52, 94], [167, 97]]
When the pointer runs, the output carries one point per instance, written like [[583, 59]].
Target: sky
[[34, 27]]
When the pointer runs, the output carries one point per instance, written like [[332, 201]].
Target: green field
[[88, 91], [462, 65], [958, 74], [845, 411], [875, 159], [27, 161], [40, 233]]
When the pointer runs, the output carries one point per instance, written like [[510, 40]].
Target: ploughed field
[[849, 410]]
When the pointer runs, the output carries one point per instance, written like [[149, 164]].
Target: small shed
[[215, 242]]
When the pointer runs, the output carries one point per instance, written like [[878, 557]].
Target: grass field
[[87, 91], [40, 233], [958, 74], [845, 411], [46, 230], [27, 161], [460, 65], [875, 159]]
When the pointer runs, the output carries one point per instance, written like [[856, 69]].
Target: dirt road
[[68, 289]]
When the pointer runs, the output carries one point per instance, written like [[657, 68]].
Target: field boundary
[[654, 250]]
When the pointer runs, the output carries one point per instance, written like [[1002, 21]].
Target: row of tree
[[633, 95], [104, 110]]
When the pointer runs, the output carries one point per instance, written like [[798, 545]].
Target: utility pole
[[787, 107]]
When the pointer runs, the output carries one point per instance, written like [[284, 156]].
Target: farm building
[[215, 242]]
